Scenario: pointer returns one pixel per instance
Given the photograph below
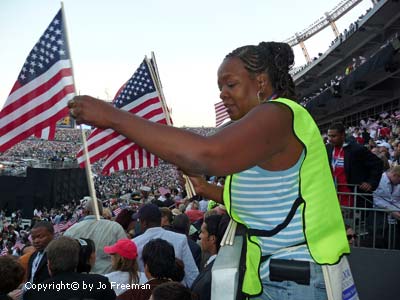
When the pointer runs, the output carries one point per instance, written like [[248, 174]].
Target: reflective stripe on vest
[[323, 225]]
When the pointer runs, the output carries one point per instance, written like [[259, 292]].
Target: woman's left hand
[[91, 111]]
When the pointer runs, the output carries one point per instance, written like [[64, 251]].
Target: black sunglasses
[[351, 236]]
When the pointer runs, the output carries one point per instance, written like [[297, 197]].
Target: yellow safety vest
[[323, 224]]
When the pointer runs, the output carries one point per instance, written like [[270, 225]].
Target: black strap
[[278, 228], [242, 269]]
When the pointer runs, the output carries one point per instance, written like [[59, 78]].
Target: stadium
[[355, 82]]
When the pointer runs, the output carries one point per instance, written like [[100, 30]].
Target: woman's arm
[[207, 190], [254, 139]]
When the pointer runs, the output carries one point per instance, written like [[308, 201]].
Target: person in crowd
[[194, 213], [182, 225], [387, 194], [107, 214], [351, 164], [11, 276], [172, 291], [102, 232], [145, 193], [124, 218], [42, 234], [212, 231], [26, 253], [203, 204], [87, 255], [351, 235], [272, 140], [63, 259], [123, 260], [160, 265], [166, 217], [169, 201], [149, 217]]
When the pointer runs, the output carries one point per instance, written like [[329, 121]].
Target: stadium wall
[[42, 187]]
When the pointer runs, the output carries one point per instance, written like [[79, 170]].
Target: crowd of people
[[379, 137], [353, 27], [334, 86], [138, 245]]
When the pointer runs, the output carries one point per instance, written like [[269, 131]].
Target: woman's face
[[238, 88], [205, 239]]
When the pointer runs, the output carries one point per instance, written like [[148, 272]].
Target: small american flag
[[19, 245], [4, 251], [39, 97], [117, 211], [140, 97], [220, 113]]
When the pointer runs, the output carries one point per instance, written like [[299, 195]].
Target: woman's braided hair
[[274, 59]]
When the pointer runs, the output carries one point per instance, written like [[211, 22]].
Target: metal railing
[[375, 227]]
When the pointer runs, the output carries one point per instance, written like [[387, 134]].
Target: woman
[[123, 261], [160, 265], [279, 185], [87, 255], [212, 231]]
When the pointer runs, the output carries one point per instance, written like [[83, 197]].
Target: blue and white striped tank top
[[262, 199]]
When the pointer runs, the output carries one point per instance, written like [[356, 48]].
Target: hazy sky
[[109, 39]]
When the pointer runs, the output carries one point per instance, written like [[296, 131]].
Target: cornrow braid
[[275, 59]]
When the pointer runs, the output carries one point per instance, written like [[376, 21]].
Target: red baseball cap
[[124, 247]]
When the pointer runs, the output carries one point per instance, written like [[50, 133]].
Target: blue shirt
[[181, 247], [386, 194]]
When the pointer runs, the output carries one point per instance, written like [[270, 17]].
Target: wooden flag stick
[[156, 78], [225, 236], [232, 233], [88, 169]]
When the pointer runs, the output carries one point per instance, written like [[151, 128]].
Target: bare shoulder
[[273, 115]]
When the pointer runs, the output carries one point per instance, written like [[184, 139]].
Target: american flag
[[4, 251], [39, 97], [140, 97], [220, 113], [117, 211]]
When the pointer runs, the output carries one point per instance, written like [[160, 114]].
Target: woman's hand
[[205, 189], [91, 111], [199, 184]]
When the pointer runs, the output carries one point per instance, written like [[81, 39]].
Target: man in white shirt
[[150, 222], [387, 194]]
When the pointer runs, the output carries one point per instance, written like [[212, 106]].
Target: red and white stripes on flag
[[139, 96], [220, 113], [117, 211], [43, 88]]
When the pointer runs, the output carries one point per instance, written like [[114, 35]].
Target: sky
[[109, 39]]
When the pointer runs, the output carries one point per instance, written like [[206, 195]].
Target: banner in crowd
[[40, 94], [139, 96]]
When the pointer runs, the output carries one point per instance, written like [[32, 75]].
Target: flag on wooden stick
[[40, 94], [139, 96]]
